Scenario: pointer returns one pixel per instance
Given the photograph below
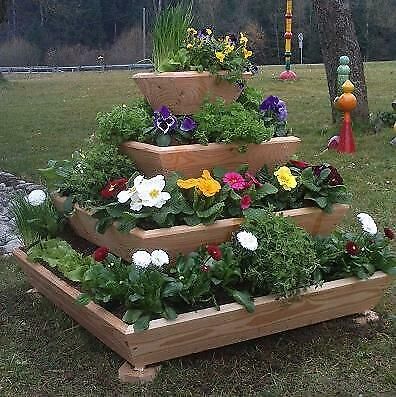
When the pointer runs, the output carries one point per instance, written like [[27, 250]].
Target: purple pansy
[[334, 178], [188, 124], [164, 120], [275, 105]]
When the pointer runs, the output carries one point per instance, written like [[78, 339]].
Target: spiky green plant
[[170, 30], [35, 223]]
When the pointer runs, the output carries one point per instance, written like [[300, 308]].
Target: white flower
[[159, 258], [247, 240], [36, 197], [367, 222], [150, 191], [141, 258]]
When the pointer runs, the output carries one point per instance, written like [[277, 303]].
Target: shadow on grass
[[44, 353]]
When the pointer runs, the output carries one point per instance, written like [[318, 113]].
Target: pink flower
[[251, 180], [246, 200], [234, 180]]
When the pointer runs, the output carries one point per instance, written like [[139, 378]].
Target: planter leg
[[129, 374]]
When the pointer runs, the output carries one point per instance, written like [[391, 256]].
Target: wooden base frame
[[190, 160], [185, 239], [207, 328]]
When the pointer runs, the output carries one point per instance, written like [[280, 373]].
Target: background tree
[[338, 37]]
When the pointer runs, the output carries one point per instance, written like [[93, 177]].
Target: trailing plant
[[381, 120], [218, 122], [89, 170], [35, 217], [169, 35], [125, 122], [345, 254], [276, 256]]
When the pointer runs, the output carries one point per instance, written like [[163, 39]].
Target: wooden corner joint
[[129, 374]]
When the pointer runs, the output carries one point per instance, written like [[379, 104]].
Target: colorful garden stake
[[288, 74], [343, 72], [346, 103]]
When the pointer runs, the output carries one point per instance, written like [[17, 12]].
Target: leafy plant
[[125, 122], [218, 122], [87, 172], [169, 34], [35, 222], [285, 259]]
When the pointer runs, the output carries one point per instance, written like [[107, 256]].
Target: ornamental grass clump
[[277, 257]]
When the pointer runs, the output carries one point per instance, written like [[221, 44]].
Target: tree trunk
[[3, 14], [338, 37]]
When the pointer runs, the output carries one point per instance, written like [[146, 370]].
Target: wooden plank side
[[195, 332], [98, 321]]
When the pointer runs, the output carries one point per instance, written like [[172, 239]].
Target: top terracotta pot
[[184, 92]]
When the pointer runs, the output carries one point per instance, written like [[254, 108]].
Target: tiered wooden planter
[[208, 328], [185, 239], [184, 92], [190, 160]]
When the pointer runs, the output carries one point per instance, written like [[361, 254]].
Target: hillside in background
[[60, 32]]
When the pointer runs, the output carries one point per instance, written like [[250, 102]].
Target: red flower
[[100, 254], [251, 180], [246, 200], [215, 252], [114, 187], [351, 248], [334, 178], [389, 233], [299, 164]]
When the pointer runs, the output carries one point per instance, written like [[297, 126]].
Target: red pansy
[[352, 248], [215, 252], [100, 254], [389, 233], [112, 188]]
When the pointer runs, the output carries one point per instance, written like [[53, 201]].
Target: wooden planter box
[[208, 328], [190, 160], [185, 239], [184, 92]]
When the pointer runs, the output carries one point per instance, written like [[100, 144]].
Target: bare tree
[[338, 37], [3, 14]]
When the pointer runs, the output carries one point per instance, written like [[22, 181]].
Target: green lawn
[[44, 353]]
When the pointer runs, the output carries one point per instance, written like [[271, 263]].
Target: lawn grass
[[44, 353]]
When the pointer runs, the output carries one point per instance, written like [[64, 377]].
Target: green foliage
[[251, 98], [218, 122], [169, 34], [87, 172], [35, 222], [125, 123], [381, 120], [285, 259], [367, 255]]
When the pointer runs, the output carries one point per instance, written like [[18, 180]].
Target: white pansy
[[247, 240], [150, 191], [159, 258], [36, 197], [367, 222], [141, 258]]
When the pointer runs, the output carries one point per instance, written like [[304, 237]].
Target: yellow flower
[[209, 31], [192, 31], [220, 56], [243, 39], [205, 184], [285, 178], [229, 48], [247, 53], [227, 39], [189, 45]]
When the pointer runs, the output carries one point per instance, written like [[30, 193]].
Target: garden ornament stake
[[288, 74], [346, 103]]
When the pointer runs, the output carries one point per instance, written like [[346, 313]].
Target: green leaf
[[266, 190], [83, 299], [172, 289], [243, 298], [142, 323], [213, 210], [68, 206], [392, 271], [169, 313], [134, 297], [131, 316], [323, 175], [163, 140], [320, 201]]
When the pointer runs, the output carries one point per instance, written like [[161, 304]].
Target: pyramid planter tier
[[184, 92], [190, 160], [207, 328], [185, 239]]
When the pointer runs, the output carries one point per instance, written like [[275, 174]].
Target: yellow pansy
[[189, 45], [220, 56], [285, 178], [247, 53], [209, 31], [192, 31], [229, 48], [243, 39], [205, 184]]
